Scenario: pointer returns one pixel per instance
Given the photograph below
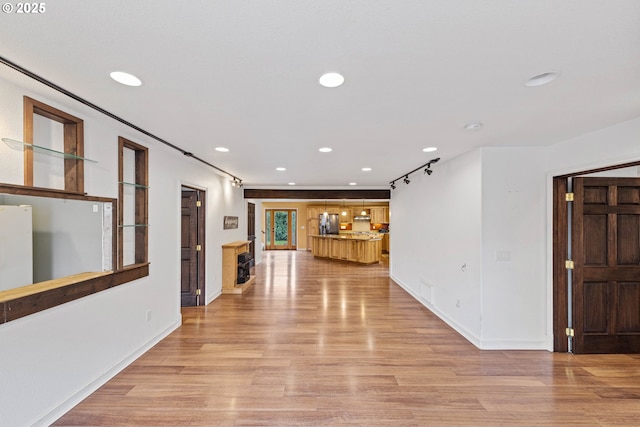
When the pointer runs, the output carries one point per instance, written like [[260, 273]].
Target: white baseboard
[[452, 323], [94, 385], [545, 344]]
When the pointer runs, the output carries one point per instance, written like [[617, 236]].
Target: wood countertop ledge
[[22, 291]]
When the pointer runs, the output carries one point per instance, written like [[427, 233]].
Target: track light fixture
[[427, 170], [432, 161]]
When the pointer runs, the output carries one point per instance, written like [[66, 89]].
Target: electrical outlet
[[458, 303], [95, 208]]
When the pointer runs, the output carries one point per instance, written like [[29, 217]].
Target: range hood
[[363, 218]]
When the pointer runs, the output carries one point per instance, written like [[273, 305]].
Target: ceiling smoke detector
[[542, 79], [473, 126]]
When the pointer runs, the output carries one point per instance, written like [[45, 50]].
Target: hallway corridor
[[317, 342]]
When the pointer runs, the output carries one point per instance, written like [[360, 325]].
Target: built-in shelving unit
[[19, 145]]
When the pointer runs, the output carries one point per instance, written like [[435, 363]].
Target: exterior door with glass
[[280, 228]]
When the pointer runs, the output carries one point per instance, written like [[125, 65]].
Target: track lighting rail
[[71, 95], [405, 177]]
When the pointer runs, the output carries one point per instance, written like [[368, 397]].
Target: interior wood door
[[251, 231], [192, 248], [606, 254]]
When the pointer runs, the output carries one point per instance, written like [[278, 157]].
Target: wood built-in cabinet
[[363, 251], [385, 243], [313, 224], [230, 252], [379, 215]]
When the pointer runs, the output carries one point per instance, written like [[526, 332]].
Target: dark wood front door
[[606, 255], [192, 248]]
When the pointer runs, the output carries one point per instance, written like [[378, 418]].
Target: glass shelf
[[133, 184], [133, 225], [18, 145]]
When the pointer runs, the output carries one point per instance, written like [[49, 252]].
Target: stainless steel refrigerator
[[329, 223]]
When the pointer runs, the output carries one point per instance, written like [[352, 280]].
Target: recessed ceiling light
[[222, 149], [125, 78], [430, 149], [292, 183], [325, 150], [353, 183], [366, 169], [542, 79], [473, 126], [331, 79], [281, 169]]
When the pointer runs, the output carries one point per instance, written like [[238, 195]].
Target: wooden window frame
[[37, 297], [73, 128], [141, 215]]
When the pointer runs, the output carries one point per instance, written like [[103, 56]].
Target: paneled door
[[606, 254], [280, 228], [192, 248], [251, 230]]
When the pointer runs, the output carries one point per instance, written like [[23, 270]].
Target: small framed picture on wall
[[230, 222]]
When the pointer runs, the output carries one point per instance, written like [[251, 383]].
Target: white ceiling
[[244, 75]]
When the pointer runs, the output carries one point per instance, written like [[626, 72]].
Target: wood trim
[[120, 212], [141, 214], [50, 112], [142, 204], [202, 238], [26, 300], [28, 109], [560, 254], [577, 255], [21, 302], [316, 194], [603, 169], [49, 192], [73, 129]]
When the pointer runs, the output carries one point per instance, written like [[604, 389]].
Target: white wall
[[514, 311], [436, 241], [514, 198], [51, 360]]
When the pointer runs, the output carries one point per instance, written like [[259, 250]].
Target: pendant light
[[363, 211], [344, 209], [326, 213]]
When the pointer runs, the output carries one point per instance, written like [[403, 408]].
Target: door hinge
[[198, 204], [568, 197], [569, 332], [198, 248], [568, 264], [198, 292]]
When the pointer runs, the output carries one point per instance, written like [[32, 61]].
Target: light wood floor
[[319, 342]]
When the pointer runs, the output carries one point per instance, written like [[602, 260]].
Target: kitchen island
[[363, 249]]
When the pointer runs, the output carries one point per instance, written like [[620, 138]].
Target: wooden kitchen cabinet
[[349, 215], [313, 224], [385, 243], [379, 215]]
